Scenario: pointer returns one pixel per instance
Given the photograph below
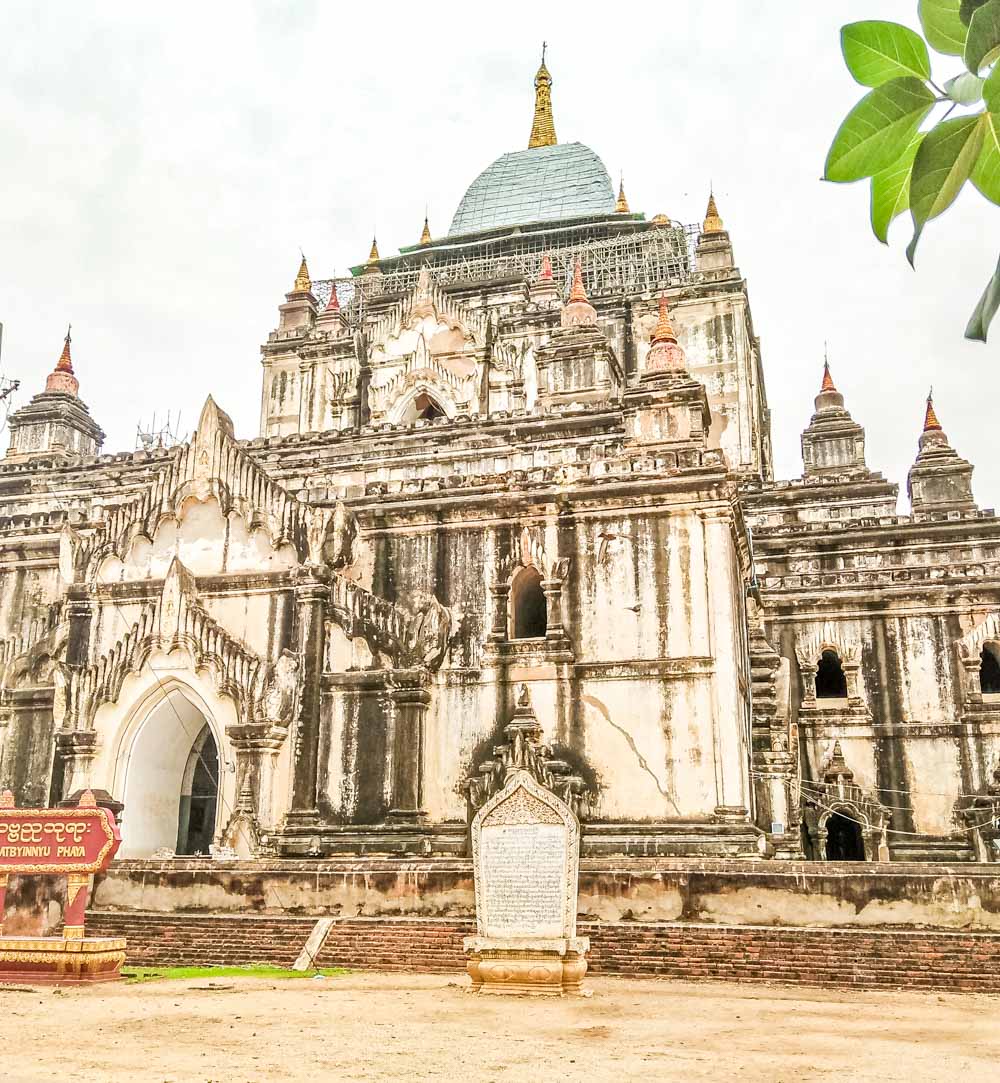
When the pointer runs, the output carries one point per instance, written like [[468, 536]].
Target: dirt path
[[396, 1027]]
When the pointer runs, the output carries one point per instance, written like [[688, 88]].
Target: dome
[[541, 184]]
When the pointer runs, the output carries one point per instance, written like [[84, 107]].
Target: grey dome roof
[[541, 184]]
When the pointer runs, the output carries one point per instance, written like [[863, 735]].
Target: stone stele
[[526, 859]]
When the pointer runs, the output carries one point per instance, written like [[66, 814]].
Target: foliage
[[884, 138], [154, 973]]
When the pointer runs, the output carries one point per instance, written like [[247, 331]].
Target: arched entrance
[[171, 779], [199, 796], [844, 840]]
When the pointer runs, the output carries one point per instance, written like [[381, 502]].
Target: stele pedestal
[[526, 859]]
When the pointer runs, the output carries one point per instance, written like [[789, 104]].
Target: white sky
[[162, 164]]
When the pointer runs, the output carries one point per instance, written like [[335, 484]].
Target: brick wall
[[836, 957]]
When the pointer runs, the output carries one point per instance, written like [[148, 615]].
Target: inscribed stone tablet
[[524, 869]]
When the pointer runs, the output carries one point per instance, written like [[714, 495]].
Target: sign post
[[75, 843]]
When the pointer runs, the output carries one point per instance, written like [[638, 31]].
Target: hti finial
[[577, 293], [664, 329], [543, 129], [425, 236], [303, 283], [827, 384], [712, 223], [621, 204], [931, 423], [65, 362]]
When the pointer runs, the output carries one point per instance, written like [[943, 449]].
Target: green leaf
[[986, 309], [891, 191], [876, 52], [878, 129], [986, 172], [943, 28], [982, 46], [967, 8], [991, 90], [943, 163], [965, 89]]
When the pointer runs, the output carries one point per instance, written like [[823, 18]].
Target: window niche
[[831, 681], [989, 670], [529, 609]]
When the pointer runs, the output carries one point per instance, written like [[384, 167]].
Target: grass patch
[[135, 974]]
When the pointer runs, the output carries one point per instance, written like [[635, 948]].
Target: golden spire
[[65, 362], [303, 284], [712, 223], [621, 205], [827, 378], [931, 423], [425, 236], [373, 258], [577, 293], [543, 129], [664, 329]]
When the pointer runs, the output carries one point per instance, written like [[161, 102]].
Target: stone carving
[[408, 640], [524, 751], [839, 793], [213, 464], [980, 817], [526, 857], [176, 620], [278, 704]]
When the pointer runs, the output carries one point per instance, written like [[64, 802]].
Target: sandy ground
[[382, 1027]]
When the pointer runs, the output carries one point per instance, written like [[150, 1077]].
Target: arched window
[[830, 680], [989, 671], [422, 407], [528, 601], [844, 841]]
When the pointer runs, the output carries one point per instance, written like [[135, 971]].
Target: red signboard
[[60, 841]]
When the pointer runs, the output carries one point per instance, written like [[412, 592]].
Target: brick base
[[872, 958]]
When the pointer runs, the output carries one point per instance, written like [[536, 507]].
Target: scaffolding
[[624, 263]]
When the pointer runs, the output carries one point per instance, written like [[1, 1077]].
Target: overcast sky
[[162, 164]]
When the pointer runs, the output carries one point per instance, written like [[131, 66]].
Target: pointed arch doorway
[[171, 764]]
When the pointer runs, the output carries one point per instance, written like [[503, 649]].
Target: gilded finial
[[621, 204], [577, 293], [425, 236], [373, 256], [65, 362], [543, 129], [664, 329], [712, 223], [931, 423], [303, 283]]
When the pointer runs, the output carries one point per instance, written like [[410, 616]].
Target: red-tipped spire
[[333, 305], [545, 274], [577, 293], [664, 329], [61, 378], [827, 384], [65, 362], [931, 423]]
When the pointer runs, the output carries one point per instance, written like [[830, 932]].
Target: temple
[[532, 451]]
